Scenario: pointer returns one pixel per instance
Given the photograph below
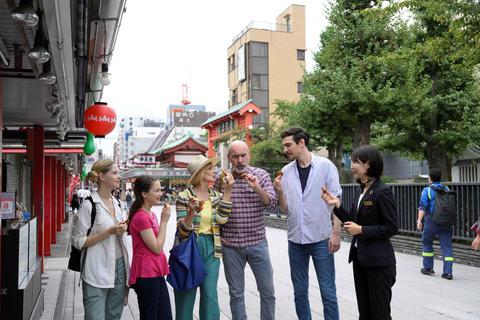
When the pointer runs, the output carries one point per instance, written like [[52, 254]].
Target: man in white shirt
[[309, 228]]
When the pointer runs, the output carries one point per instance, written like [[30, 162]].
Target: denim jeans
[[430, 230], [299, 255], [234, 261], [153, 298]]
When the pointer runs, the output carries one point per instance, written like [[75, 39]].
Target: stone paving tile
[[415, 296]]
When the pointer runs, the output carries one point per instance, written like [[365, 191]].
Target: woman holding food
[[202, 210], [149, 263], [372, 220], [105, 268]]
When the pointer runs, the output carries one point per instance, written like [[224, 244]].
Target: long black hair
[[142, 184]]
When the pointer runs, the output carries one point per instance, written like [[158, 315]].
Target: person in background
[[476, 241], [204, 219], [372, 220], [129, 198], [106, 270], [149, 263], [431, 229], [75, 204]]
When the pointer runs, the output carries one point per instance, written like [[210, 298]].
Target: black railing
[[407, 197]]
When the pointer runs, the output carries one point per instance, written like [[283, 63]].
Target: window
[[259, 49], [231, 63], [301, 55], [289, 26], [234, 97], [300, 87], [259, 82]]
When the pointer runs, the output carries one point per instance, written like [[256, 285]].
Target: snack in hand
[[165, 204], [244, 175], [224, 173], [199, 208], [324, 190], [127, 221], [280, 174]]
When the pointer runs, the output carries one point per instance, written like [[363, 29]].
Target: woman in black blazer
[[371, 221]]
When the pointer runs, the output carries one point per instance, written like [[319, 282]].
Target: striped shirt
[[219, 215], [246, 223]]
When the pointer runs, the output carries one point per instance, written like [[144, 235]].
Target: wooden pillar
[[59, 195], [54, 198], [35, 141], [1, 128], [47, 208], [64, 186]]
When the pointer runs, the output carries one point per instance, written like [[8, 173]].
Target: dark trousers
[[153, 299], [373, 286]]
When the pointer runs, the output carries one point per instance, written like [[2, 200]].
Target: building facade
[[266, 62], [135, 135]]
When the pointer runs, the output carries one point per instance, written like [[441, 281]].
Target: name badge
[[368, 203]]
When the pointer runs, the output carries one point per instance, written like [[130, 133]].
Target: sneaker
[[447, 276], [428, 272]]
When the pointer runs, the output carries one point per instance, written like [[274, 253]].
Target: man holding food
[[243, 236], [309, 228]]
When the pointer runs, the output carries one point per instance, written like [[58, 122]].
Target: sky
[[163, 44]]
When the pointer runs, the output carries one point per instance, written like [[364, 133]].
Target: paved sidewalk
[[415, 296]]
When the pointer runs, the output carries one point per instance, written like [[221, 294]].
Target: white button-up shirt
[[99, 269], [309, 216]]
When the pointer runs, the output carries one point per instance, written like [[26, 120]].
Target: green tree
[[354, 84], [446, 121]]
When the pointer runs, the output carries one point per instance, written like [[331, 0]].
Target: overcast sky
[[163, 44]]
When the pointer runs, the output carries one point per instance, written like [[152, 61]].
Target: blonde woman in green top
[[202, 210]]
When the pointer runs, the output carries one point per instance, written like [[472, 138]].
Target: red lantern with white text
[[100, 119]]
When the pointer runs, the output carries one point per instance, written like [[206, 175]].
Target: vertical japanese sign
[[8, 205]]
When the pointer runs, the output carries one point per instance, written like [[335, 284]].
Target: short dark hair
[[435, 175], [373, 156], [297, 133]]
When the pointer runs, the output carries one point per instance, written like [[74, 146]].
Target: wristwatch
[[418, 221]]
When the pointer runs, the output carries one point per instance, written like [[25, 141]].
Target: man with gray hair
[[243, 236]]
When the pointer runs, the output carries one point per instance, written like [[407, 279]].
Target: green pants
[[102, 303], [185, 300]]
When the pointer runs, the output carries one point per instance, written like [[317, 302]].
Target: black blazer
[[377, 215]]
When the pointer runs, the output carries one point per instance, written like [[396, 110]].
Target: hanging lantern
[[89, 146], [100, 119]]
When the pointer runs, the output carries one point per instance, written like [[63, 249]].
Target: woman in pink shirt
[[149, 264]]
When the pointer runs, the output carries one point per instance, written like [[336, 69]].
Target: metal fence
[[407, 197]]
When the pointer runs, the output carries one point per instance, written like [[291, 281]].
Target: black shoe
[[428, 272], [447, 276]]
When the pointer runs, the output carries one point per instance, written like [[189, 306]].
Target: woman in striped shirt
[[202, 210]]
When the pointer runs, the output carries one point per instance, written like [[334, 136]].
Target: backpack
[[128, 197], [445, 207], [75, 254]]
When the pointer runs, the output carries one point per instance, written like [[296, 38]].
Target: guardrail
[[407, 197]]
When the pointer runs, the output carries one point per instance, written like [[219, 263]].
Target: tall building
[[134, 134], [266, 61]]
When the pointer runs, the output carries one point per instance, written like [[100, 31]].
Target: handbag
[[187, 270]]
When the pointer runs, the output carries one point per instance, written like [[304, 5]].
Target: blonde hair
[[100, 166], [199, 176]]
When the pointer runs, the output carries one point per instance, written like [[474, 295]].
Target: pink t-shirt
[[145, 264]]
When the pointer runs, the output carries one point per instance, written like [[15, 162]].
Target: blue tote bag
[[187, 270]]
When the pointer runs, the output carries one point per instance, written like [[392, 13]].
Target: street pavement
[[415, 296]]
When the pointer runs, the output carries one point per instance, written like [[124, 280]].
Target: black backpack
[[445, 207], [75, 254], [128, 197]]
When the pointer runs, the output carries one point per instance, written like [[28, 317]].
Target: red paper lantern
[[100, 119]]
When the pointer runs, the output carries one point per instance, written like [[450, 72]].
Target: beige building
[[266, 61]]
